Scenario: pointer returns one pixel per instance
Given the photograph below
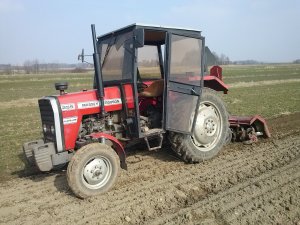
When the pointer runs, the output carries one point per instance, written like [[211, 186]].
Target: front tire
[[210, 131], [93, 170]]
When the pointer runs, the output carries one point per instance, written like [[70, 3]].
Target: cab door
[[184, 78]]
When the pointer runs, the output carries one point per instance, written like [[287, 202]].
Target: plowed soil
[[244, 184]]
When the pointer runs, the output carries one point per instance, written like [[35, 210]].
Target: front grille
[[47, 117]]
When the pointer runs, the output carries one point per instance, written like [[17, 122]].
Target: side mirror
[[81, 56], [139, 37]]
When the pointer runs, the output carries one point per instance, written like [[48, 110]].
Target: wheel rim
[[96, 172], [208, 127]]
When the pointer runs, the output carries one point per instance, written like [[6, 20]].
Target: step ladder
[[159, 137]]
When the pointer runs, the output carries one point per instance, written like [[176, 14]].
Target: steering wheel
[[141, 87]]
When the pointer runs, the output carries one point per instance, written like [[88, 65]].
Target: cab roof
[[131, 27]]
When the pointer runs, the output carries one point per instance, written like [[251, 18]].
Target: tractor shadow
[[57, 177], [27, 170], [165, 154]]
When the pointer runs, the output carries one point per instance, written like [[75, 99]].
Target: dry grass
[[262, 83], [22, 102]]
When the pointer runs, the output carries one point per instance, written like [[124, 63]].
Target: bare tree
[[27, 66], [222, 59], [35, 66], [31, 66], [9, 69]]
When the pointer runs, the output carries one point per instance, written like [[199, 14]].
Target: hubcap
[[208, 127], [96, 172]]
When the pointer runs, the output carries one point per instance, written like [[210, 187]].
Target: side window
[[185, 64], [148, 62], [112, 65], [116, 57]]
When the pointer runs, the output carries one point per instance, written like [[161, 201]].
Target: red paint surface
[[216, 71], [128, 89], [71, 130], [215, 84], [236, 121]]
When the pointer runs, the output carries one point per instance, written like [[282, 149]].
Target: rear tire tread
[[181, 144]]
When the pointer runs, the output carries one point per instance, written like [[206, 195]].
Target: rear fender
[[215, 83], [117, 146]]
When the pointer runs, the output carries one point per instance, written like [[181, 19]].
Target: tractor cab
[[159, 71]]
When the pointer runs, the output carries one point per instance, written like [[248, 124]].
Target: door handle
[[184, 88], [193, 91], [190, 90]]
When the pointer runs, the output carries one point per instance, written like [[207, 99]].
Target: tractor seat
[[154, 90]]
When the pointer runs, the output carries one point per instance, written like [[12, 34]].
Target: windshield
[[116, 57]]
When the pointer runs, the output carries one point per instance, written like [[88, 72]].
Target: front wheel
[[93, 170], [210, 130]]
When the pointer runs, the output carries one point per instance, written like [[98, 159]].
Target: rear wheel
[[210, 130], [93, 170]]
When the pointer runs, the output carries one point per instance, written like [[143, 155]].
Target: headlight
[[52, 129], [44, 128]]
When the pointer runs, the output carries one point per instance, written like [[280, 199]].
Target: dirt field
[[245, 184]]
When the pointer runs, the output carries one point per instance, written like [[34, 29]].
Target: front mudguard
[[117, 146]]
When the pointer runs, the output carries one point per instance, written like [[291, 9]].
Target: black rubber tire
[[78, 162], [229, 137], [183, 144]]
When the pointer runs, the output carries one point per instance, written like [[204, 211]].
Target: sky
[[56, 30]]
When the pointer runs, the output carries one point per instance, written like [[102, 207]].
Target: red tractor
[[149, 86]]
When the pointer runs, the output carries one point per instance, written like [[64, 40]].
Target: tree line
[[35, 67]]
